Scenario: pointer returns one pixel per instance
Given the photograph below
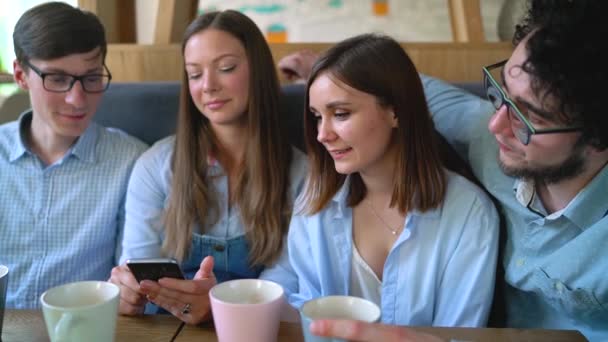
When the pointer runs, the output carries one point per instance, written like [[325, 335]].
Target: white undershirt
[[363, 281]]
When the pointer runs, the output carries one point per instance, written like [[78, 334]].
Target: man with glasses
[[63, 178], [540, 147]]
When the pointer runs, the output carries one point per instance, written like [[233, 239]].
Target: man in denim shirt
[[63, 178], [539, 146]]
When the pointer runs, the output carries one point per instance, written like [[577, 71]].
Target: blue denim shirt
[[439, 272], [61, 223], [555, 265], [147, 197]]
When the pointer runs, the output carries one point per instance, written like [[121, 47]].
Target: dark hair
[[262, 187], [568, 60], [379, 66], [56, 29]]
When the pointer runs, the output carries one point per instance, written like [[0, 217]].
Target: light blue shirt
[[62, 222], [148, 194], [439, 272], [555, 266]]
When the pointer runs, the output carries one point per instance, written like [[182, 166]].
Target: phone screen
[[154, 269]]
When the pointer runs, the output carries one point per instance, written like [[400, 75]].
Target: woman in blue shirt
[[224, 185], [380, 217]]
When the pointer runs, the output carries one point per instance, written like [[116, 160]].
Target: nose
[[76, 96], [210, 83], [325, 132], [499, 122]]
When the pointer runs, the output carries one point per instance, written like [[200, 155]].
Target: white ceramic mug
[[246, 310], [336, 307], [81, 311]]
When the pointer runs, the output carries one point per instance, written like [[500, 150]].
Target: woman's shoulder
[[158, 155], [462, 192], [161, 148]]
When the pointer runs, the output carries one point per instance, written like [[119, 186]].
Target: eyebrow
[[330, 105], [97, 70], [542, 113], [338, 103], [217, 58]]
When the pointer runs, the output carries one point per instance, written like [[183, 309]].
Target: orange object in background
[[380, 7], [276, 33]]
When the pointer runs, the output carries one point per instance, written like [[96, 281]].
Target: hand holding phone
[[154, 269]]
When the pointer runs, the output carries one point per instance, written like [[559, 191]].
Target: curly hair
[[568, 60]]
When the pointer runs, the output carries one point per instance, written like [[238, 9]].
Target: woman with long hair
[[380, 217], [224, 185]]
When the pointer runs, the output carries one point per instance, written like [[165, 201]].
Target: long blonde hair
[[261, 191]]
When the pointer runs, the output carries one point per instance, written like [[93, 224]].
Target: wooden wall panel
[[449, 61], [172, 19], [467, 24]]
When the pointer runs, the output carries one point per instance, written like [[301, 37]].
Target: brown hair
[[261, 191], [56, 29], [377, 65]]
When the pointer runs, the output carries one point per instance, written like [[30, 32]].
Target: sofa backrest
[[148, 110]]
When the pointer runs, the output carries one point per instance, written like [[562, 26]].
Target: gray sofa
[[148, 110]]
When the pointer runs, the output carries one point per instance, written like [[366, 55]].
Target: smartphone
[[154, 269]]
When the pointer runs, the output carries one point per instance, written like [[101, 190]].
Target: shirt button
[[219, 248], [559, 287], [520, 262]]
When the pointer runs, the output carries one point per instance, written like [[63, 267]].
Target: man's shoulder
[[8, 135], [119, 142]]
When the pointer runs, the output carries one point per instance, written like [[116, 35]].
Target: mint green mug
[[81, 311]]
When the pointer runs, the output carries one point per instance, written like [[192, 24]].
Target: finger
[[206, 268], [129, 288], [362, 331], [173, 294], [128, 309], [121, 275], [197, 287]]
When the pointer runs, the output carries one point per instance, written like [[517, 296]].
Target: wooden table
[[28, 325]]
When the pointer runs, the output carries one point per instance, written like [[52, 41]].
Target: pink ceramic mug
[[246, 310]]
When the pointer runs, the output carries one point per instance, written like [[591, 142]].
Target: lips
[[215, 104], [339, 153], [73, 116]]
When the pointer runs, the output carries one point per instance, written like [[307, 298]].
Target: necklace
[[393, 231]]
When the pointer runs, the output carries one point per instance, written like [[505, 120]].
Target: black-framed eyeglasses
[[522, 128], [58, 82]]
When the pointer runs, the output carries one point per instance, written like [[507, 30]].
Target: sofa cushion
[[148, 110]]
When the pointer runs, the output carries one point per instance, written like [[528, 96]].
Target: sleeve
[[132, 155], [464, 296], [282, 273], [120, 230], [458, 115], [144, 208], [302, 260]]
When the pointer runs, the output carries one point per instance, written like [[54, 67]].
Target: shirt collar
[[84, 148], [586, 208], [590, 204], [20, 147], [341, 197]]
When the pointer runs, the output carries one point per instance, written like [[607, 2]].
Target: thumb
[[206, 269]]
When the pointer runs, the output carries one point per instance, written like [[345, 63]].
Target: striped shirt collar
[[83, 149]]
